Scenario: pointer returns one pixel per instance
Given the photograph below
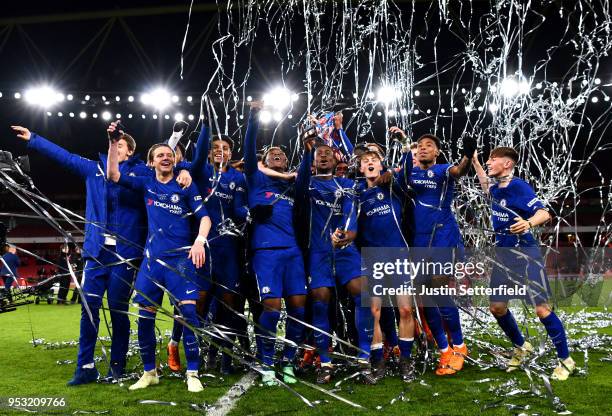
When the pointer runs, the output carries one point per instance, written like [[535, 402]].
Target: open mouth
[[165, 163], [370, 168], [276, 158]]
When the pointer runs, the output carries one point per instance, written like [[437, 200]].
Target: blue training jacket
[[125, 217]]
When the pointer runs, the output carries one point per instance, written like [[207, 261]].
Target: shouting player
[[166, 267]]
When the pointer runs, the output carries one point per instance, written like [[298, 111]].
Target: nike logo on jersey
[[189, 292]]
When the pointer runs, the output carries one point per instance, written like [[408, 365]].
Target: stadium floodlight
[[493, 108], [131, 98], [179, 117], [278, 116], [278, 98], [106, 115], [83, 114], [265, 117], [158, 98], [191, 117], [510, 87], [43, 96], [386, 94]]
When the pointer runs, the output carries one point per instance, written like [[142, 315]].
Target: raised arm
[[112, 164], [250, 139], [303, 177], [79, 165], [461, 169], [201, 155], [480, 173]]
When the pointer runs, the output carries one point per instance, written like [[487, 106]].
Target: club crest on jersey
[[265, 290], [232, 185], [338, 193], [380, 196], [430, 174], [503, 203], [174, 198], [131, 174]]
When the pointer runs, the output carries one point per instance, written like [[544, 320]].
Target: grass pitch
[[27, 371]]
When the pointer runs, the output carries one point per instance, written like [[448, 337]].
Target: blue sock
[[364, 323], [177, 328], [320, 320], [556, 332], [450, 315], [190, 342], [405, 345], [434, 320], [295, 331], [268, 321], [146, 338], [510, 328], [387, 325], [376, 353]]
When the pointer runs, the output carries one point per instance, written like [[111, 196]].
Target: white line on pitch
[[227, 402]]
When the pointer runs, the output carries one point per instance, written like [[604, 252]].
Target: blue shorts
[[324, 267], [279, 272], [175, 274], [224, 267], [514, 270], [447, 236]]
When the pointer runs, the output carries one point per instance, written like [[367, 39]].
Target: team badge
[[131, 174], [338, 193], [503, 203], [174, 198], [265, 290], [380, 196], [232, 185], [430, 173]]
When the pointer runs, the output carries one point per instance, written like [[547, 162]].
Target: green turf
[[26, 371]]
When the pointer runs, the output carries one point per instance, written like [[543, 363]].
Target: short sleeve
[[527, 198], [194, 199]]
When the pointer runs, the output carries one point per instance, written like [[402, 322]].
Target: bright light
[[71, 114], [189, 98], [429, 111], [167, 116], [154, 116], [597, 81], [416, 112], [17, 95], [295, 97], [378, 113], [539, 85], [278, 116], [69, 97], [159, 98], [117, 98], [131, 98], [95, 115], [468, 108], [83, 114], [249, 98], [278, 98], [87, 97], [49, 113], [191, 117], [509, 87], [175, 99], [417, 93], [403, 112], [179, 117], [130, 115], [386, 95], [442, 110], [118, 115], [391, 113], [265, 117], [106, 115], [44, 96], [594, 99], [462, 90], [355, 95], [143, 116], [370, 95], [431, 92], [493, 107], [290, 116], [60, 114]]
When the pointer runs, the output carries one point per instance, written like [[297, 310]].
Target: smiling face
[[370, 165], [324, 159], [427, 151], [123, 150], [162, 159], [220, 152], [276, 159], [499, 166]]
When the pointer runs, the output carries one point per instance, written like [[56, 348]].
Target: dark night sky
[[119, 69]]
